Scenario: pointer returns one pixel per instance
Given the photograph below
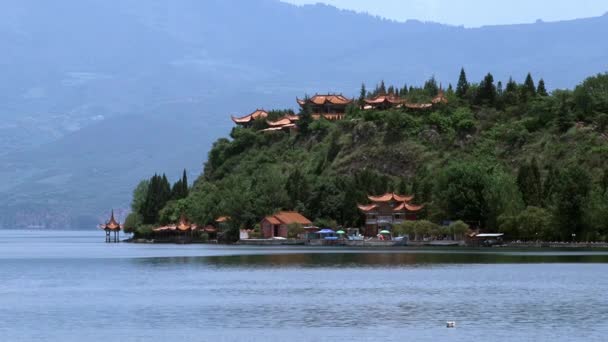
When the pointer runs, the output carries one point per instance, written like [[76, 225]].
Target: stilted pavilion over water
[[112, 229]]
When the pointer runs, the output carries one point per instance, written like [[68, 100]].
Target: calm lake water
[[71, 286]]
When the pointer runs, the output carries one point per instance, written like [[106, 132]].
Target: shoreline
[[456, 245]]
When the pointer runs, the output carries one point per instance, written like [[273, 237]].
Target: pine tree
[[487, 91], [499, 89], [382, 89], [404, 91], [305, 117], [463, 85], [362, 95], [391, 90], [529, 89], [430, 87], [541, 90], [510, 96], [185, 184]]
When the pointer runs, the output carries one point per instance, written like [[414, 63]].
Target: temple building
[[247, 120], [384, 102], [388, 210], [286, 123], [437, 100], [112, 226], [277, 225], [330, 106]]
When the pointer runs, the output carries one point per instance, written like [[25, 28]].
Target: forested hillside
[[507, 157], [96, 92]]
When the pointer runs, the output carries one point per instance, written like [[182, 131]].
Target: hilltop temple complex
[[332, 107], [388, 210]]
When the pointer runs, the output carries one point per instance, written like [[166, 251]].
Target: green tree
[[565, 118], [362, 96], [294, 230], [592, 95], [530, 183], [571, 194], [487, 91], [139, 196], [460, 190], [541, 90], [528, 89], [382, 88], [133, 221], [430, 87], [463, 85], [458, 229], [305, 118], [596, 214]]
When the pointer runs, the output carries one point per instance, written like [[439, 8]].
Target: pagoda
[[330, 106], [247, 120], [111, 226], [388, 210]]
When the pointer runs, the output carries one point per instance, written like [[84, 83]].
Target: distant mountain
[[99, 94]]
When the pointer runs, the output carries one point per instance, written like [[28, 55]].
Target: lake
[[71, 286]]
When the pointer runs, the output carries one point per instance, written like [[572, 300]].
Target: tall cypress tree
[[362, 95], [185, 183], [382, 89], [529, 89], [431, 87], [487, 91], [510, 96], [463, 85], [305, 117], [541, 90]]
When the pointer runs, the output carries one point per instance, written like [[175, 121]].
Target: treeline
[[514, 159], [151, 196]]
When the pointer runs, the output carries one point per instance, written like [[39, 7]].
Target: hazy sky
[[473, 13]]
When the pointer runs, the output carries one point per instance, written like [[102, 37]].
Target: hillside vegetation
[[511, 158]]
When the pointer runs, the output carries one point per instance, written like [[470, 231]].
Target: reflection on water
[[372, 259], [57, 289]]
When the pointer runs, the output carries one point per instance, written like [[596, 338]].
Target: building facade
[[387, 210], [330, 106], [277, 225]]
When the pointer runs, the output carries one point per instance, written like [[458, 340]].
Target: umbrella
[[340, 232], [325, 231], [384, 232]]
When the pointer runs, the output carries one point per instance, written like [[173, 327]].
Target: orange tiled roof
[[440, 98], [328, 98], [368, 207], [112, 224], [408, 207], [222, 219], [183, 224], [390, 197], [257, 114], [392, 99], [288, 217], [280, 122]]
